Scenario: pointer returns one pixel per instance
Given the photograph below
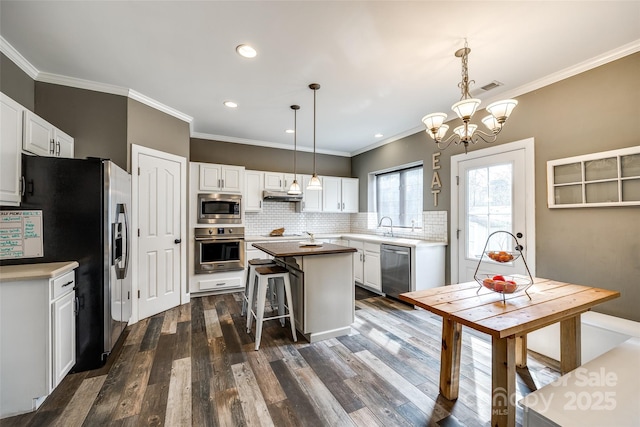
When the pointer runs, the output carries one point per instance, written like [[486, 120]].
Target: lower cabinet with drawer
[[222, 282], [37, 339]]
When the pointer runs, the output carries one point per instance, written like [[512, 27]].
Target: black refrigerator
[[85, 208]]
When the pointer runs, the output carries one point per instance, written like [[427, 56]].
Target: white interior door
[[494, 193], [160, 262]]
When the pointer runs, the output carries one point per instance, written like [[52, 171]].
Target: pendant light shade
[[295, 187], [314, 183]]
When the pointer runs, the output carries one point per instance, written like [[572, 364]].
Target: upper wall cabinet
[[610, 178], [10, 149], [254, 183], [44, 139], [278, 181], [221, 178], [339, 194]]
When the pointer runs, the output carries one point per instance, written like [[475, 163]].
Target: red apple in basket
[[498, 285], [488, 283], [510, 287]]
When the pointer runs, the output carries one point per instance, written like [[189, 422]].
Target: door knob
[[519, 235], [177, 241]]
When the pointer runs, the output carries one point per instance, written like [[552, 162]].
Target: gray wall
[[151, 128], [97, 121], [15, 83], [595, 111], [267, 159]]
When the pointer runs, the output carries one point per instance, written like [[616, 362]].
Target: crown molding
[[61, 80], [268, 144], [17, 58], [159, 106], [610, 56]]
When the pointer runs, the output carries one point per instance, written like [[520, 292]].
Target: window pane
[[399, 196], [489, 207]]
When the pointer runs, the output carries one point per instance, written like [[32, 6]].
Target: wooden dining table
[[508, 322]]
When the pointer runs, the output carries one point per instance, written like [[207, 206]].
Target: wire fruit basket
[[503, 284]]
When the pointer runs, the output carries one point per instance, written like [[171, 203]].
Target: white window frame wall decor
[[595, 180]]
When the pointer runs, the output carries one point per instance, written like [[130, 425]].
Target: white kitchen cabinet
[[339, 194], [278, 181], [229, 179], [350, 195], [37, 332], [44, 139], [64, 336], [10, 151], [311, 199], [254, 183], [372, 270], [366, 264]]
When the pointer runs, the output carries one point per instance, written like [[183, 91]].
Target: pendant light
[[295, 187], [314, 183]]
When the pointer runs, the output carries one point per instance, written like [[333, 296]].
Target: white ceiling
[[382, 65]]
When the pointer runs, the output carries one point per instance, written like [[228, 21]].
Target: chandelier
[[465, 108]]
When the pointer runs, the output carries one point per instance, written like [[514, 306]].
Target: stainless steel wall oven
[[219, 249], [216, 208]]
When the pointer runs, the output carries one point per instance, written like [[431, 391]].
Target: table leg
[[450, 359], [503, 381], [570, 344], [521, 351]]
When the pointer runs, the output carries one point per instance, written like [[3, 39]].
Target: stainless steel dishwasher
[[395, 264]]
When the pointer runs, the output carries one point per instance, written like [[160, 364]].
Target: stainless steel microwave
[[219, 208]]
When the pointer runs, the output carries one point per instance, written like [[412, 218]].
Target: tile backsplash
[[283, 214]]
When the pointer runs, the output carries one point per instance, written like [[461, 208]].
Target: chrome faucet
[[390, 222]]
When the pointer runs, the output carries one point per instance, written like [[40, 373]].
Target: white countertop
[[402, 241], [36, 271]]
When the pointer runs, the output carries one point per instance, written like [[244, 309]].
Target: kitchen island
[[322, 286]]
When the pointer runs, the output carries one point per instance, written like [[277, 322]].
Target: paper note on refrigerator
[[21, 234]]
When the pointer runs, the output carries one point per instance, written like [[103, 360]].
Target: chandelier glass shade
[[314, 182], [467, 133], [295, 187]]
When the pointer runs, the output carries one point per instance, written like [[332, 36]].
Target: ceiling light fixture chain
[[314, 183], [295, 186], [465, 108]]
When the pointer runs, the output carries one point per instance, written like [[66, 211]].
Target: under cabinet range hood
[[281, 196]]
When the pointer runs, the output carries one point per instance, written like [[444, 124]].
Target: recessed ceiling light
[[246, 51], [230, 104], [290, 131], [378, 135]]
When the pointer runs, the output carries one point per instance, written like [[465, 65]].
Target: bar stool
[[263, 275], [249, 284]]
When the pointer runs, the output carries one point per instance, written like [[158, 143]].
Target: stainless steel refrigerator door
[[118, 295]]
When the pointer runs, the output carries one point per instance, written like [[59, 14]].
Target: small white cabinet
[[221, 178], [278, 181], [366, 264], [311, 199], [44, 139], [254, 183], [10, 148], [339, 194], [37, 332]]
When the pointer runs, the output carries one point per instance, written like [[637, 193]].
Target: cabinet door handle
[[218, 183], [58, 148], [338, 205], [260, 204], [342, 206], [221, 284], [23, 186], [52, 146], [67, 284], [223, 183], [77, 306]]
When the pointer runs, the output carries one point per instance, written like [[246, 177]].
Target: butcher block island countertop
[[46, 270], [322, 286]]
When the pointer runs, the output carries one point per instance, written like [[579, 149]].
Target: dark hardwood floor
[[195, 365]]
